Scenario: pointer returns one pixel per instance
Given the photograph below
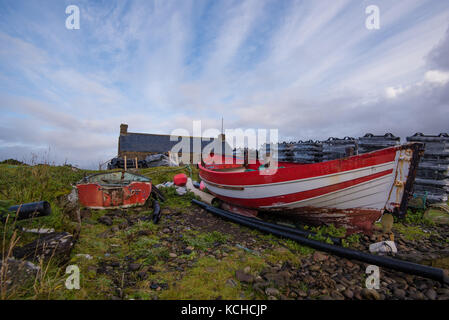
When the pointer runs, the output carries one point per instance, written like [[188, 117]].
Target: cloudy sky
[[308, 68]]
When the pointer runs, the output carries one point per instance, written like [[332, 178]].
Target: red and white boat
[[352, 192]]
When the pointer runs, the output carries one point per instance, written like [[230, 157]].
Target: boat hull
[[94, 194], [352, 192]]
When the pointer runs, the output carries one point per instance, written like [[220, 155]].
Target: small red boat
[[113, 190], [352, 192]]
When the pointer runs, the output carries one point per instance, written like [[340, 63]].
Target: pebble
[[431, 294], [417, 296], [319, 256], [244, 277], [370, 294], [105, 220], [348, 294], [231, 283], [133, 266], [337, 295], [271, 292], [399, 293]]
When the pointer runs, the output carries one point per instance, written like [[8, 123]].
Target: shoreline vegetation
[[191, 254]]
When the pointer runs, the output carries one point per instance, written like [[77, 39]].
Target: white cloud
[[436, 76]]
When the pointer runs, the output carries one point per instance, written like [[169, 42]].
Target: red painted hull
[[97, 195], [352, 192]]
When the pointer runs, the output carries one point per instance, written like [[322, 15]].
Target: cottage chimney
[[123, 129]]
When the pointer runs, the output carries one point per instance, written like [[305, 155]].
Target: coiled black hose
[[394, 264]]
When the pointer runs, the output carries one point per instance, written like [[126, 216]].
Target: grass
[[205, 277], [205, 240], [411, 232]]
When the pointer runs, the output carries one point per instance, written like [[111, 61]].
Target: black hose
[[156, 212], [29, 210], [399, 265], [299, 232]]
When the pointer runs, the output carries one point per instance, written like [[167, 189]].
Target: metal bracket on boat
[[399, 183]]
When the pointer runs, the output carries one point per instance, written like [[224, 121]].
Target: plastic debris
[[383, 247], [180, 179], [39, 231], [181, 191], [167, 184], [84, 255]]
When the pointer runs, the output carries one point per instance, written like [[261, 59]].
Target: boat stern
[[406, 166]]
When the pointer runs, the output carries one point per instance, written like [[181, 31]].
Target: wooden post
[[137, 164], [125, 163]]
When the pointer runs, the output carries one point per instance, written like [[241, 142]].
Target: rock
[[85, 256], [133, 267], [123, 225], [272, 292], [166, 230], [340, 287], [280, 279], [56, 245], [315, 267], [399, 293], [244, 277], [247, 269], [144, 233], [154, 286], [431, 294], [370, 294], [172, 255], [114, 264], [417, 295], [187, 251], [18, 273], [348, 294], [105, 220], [443, 291], [337, 295], [231, 283], [319, 256], [301, 293]]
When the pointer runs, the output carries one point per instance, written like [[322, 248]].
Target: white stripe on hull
[[271, 190], [368, 195]]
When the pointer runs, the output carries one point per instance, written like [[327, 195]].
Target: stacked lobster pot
[[335, 148], [284, 152], [432, 178], [370, 142], [307, 151], [119, 163]]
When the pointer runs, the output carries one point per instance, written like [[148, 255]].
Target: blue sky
[[308, 68]]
